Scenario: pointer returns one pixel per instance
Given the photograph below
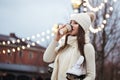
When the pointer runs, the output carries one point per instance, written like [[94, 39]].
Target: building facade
[[21, 59]]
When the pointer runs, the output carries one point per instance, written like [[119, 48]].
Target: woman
[[76, 44]]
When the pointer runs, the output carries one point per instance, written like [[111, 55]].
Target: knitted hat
[[84, 19]]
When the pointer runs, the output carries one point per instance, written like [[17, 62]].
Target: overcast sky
[[29, 17]]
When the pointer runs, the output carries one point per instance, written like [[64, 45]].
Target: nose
[[71, 24], [73, 27]]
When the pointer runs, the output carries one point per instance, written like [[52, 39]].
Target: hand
[[58, 35]]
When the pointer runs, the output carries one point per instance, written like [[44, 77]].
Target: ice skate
[[76, 70], [50, 67]]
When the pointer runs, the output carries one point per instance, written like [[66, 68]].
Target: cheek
[[74, 32], [76, 29]]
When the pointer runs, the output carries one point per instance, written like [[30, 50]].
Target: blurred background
[[26, 29]]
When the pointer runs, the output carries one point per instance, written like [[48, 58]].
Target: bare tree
[[107, 41]]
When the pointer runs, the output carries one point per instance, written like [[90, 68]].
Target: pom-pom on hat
[[84, 19]]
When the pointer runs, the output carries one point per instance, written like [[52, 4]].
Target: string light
[[28, 46], [28, 38], [33, 37], [13, 41], [4, 51], [38, 35], [23, 39], [38, 42], [99, 28], [18, 48], [95, 9], [47, 37], [85, 9], [104, 21], [33, 44], [86, 5], [105, 1], [8, 50], [43, 33], [114, 0], [3, 43], [52, 34], [42, 39], [107, 15], [111, 8], [76, 3], [48, 31], [18, 40], [13, 49], [23, 47], [76, 10], [8, 42], [102, 26]]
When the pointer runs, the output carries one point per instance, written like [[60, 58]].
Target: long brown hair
[[80, 40]]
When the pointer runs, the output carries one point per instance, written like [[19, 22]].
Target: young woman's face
[[75, 28]]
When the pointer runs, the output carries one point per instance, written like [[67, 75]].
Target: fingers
[[58, 35], [61, 26]]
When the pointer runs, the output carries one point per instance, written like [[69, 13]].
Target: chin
[[73, 34]]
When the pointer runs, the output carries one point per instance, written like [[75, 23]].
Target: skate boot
[[76, 71], [50, 67]]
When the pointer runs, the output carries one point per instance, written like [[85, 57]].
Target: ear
[[92, 16]]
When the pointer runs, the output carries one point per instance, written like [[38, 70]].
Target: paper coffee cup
[[66, 29], [63, 30]]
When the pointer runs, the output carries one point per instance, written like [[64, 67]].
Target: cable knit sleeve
[[90, 61], [50, 54]]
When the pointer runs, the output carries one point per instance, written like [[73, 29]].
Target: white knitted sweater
[[66, 58]]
